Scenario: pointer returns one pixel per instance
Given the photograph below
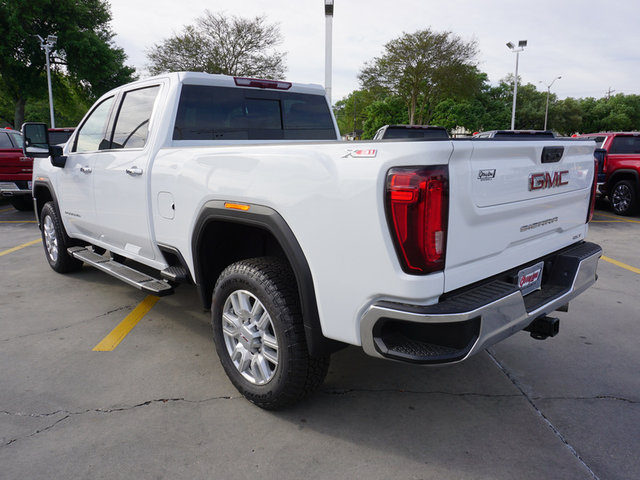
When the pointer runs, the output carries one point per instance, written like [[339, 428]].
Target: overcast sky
[[593, 46]]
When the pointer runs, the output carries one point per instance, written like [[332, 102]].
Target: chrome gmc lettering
[[539, 181]]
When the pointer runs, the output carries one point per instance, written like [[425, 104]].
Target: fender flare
[[271, 221]]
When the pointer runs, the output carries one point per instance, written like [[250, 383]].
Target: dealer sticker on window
[[530, 278]]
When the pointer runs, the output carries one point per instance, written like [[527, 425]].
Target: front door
[[75, 182]]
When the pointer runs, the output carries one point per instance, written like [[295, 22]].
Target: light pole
[[546, 109], [517, 50], [47, 45], [328, 15]]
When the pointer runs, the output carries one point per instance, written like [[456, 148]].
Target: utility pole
[[520, 48], [47, 45], [328, 15]]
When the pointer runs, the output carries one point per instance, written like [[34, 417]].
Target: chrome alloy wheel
[[250, 337], [50, 239], [621, 197]]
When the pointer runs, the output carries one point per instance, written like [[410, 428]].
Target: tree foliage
[[220, 44], [84, 60], [422, 69]]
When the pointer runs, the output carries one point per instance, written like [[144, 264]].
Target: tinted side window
[[5, 141], [132, 125], [91, 136], [17, 139], [58, 138], [222, 113], [625, 145]]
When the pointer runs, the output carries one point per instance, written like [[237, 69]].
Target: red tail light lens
[[417, 203]]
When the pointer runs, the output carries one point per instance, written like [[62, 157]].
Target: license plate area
[[530, 278]]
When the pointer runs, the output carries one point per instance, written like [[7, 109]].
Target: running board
[[128, 275]]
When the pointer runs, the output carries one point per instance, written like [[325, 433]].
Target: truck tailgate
[[513, 202]]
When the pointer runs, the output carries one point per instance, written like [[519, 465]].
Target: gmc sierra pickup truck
[[620, 170], [425, 252], [16, 170]]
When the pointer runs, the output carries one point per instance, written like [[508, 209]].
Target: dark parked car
[[519, 134], [59, 136], [424, 132]]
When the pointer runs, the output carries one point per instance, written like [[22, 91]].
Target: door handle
[[133, 171], [85, 169]]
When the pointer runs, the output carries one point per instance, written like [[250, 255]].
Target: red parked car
[[15, 170], [619, 176]]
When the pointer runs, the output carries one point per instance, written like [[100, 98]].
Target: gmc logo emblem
[[539, 181]]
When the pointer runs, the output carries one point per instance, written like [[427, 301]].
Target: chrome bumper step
[[122, 272]]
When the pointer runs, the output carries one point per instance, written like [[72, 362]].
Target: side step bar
[[128, 275]]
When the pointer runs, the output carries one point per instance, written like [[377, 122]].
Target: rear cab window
[[623, 144], [228, 113]]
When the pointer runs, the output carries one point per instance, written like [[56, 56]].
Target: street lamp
[[516, 50], [328, 15], [546, 109], [47, 45]]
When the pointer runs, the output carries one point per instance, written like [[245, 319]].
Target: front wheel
[[259, 334], [56, 241], [624, 198]]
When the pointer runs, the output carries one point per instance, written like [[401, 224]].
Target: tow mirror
[[36, 144], [600, 155]]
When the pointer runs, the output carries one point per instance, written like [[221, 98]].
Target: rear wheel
[[259, 334], [24, 203], [624, 198], [56, 241]]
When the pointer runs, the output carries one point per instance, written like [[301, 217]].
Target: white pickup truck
[[418, 251]]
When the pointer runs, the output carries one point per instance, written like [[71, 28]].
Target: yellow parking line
[[11, 250], [6, 210], [607, 221], [112, 340], [17, 221], [621, 265], [617, 217]]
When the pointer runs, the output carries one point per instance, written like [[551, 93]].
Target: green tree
[[351, 111], [84, 53], [422, 69], [392, 110], [221, 44]]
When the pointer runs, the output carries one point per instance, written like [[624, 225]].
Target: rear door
[[512, 202]]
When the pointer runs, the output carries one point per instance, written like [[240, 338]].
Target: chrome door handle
[[85, 169], [134, 171]]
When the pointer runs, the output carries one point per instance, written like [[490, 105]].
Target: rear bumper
[[467, 321], [19, 187]]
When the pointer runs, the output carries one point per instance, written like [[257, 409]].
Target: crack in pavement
[[68, 414], [539, 412], [345, 391], [596, 397], [64, 327]]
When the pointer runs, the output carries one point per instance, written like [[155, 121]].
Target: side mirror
[[36, 144], [600, 155], [36, 140]]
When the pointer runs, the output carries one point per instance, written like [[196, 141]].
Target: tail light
[[417, 203]]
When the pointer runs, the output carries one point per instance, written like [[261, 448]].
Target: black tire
[[56, 241], [24, 203], [256, 301], [624, 198]]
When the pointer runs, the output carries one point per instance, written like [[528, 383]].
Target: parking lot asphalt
[[159, 405]]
